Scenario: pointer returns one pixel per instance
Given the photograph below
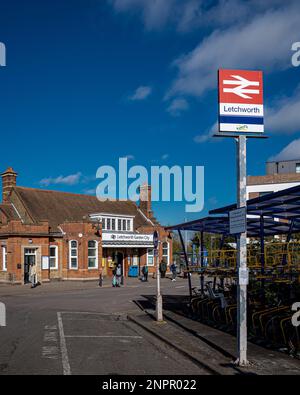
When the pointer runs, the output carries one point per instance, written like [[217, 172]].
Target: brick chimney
[[145, 200], [9, 180]]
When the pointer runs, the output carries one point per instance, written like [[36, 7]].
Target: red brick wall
[[73, 232], [36, 236]]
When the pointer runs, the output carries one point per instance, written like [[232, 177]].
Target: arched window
[[73, 254], [165, 251], [92, 254]]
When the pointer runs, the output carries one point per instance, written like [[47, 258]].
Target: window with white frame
[[53, 257], [4, 258], [92, 254], [114, 223], [150, 257], [165, 252], [117, 223], [73, 254]]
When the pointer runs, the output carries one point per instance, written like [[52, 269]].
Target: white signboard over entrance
[[237, 221], [127, 239]]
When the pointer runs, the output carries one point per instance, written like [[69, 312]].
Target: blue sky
[[89, 81]]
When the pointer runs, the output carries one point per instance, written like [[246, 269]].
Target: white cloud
[[141, 93], [165, 156], [284, 115], [290, 152], [203, 138], [187, 15], [177, 106], [72, 179], [261, 42], [155, 13]]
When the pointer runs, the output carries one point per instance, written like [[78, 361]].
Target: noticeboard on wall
[[45, 263]]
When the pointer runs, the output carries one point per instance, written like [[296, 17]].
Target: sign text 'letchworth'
[[241, 101]]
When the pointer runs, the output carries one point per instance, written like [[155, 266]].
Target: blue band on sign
[[246, 120]]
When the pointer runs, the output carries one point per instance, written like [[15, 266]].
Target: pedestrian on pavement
[[145, 273], [173, 269], [100, 279], [163, 268], [33, 275], [114, 278], [119, 275]]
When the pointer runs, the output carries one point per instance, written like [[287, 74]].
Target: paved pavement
[[80, 328]]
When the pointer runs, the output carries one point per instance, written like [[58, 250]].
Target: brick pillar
[[9, 180]]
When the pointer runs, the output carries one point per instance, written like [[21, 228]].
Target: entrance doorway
[[29, 259], [120, 260]]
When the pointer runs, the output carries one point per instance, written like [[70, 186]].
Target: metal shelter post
[[186, 261], [288, 239], [262, 254], [242, 255], [202, 262]]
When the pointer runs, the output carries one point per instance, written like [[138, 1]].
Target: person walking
[[33, 275], [119, 275], [114, 278], [163, 268], [100, 279], [173, 269]]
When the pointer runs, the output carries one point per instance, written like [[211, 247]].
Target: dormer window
[[115, 223]]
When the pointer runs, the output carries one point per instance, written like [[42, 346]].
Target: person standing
[[145, 273], [173, 269], [163, 268], [119, 275], [33, 275], [114, 278]]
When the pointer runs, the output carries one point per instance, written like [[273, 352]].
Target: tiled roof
[[58, 207], [9, 211]]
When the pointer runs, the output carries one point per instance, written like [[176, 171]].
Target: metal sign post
[[242, 255], [241, 115], [159, 314]]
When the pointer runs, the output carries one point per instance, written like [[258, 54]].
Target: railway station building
[[74, 237]]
